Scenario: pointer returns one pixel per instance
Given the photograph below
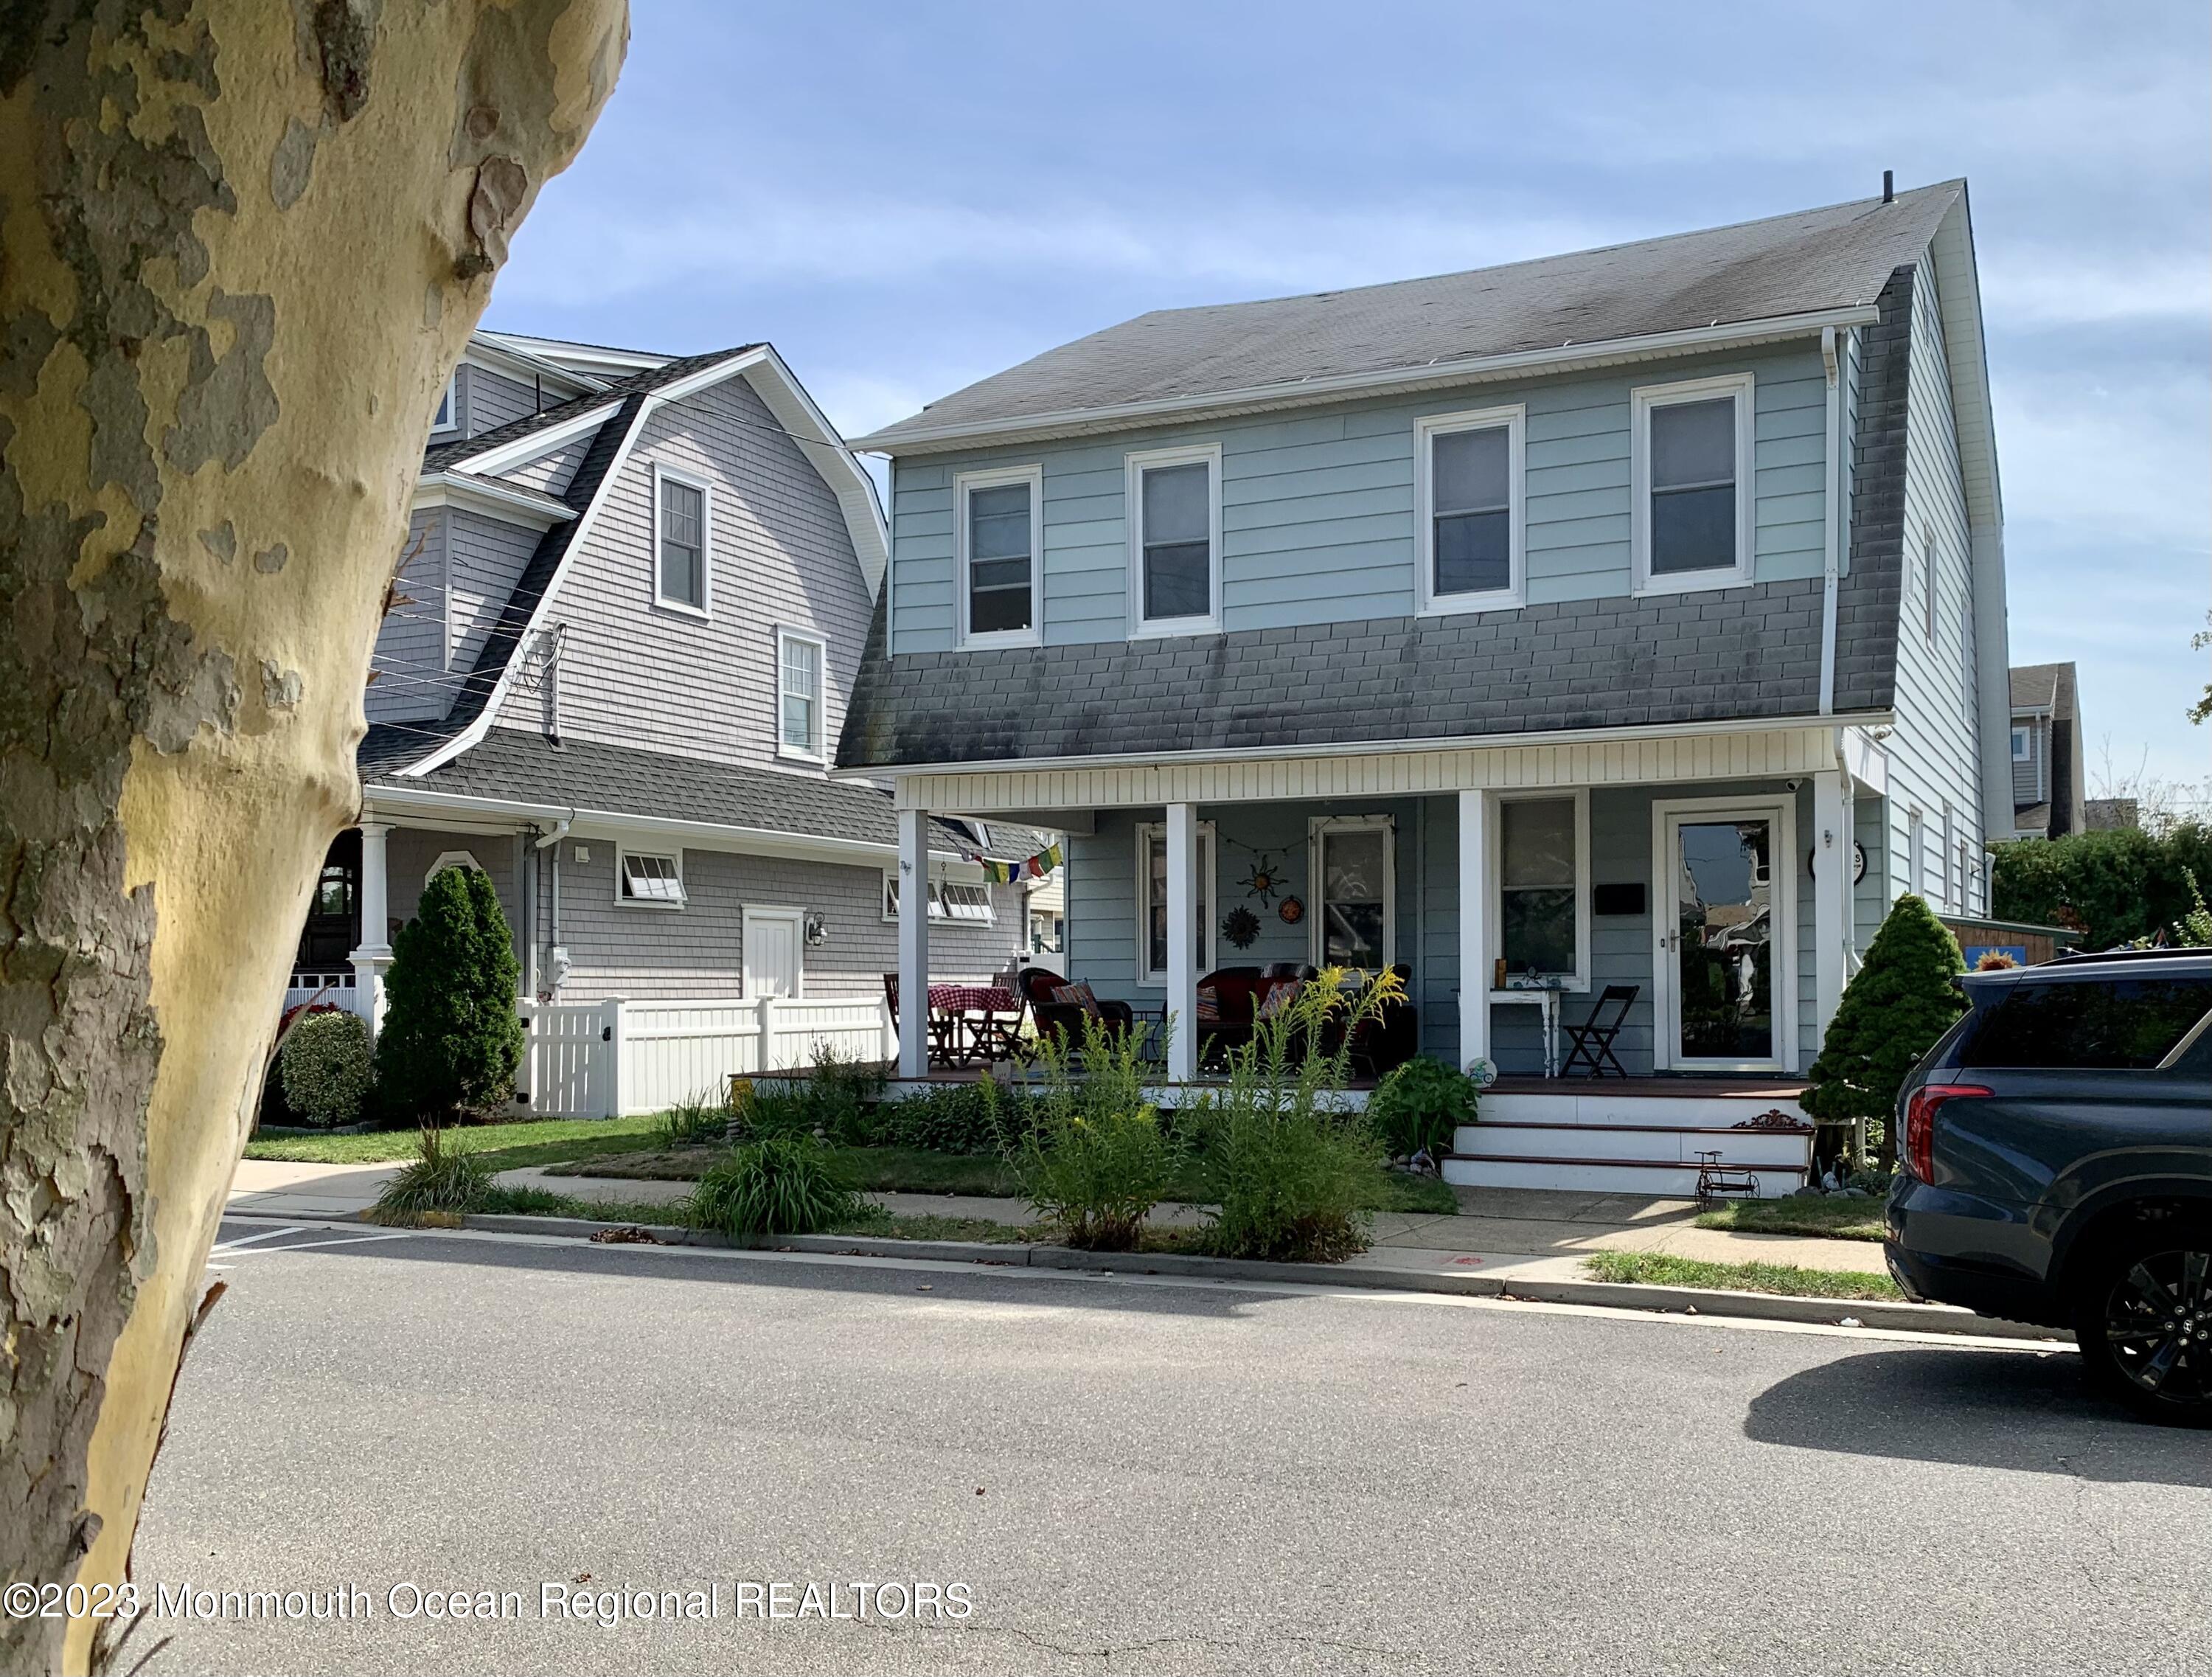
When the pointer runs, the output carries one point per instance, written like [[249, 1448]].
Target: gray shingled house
[[2050, 792], [1634, 617], [633, 600]]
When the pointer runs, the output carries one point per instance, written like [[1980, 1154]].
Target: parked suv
[[2058, 1167]]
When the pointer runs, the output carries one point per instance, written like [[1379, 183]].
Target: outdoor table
[[987, 1038]]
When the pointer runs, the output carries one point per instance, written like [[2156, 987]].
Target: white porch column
[[373, 959], [913, 943], [1475, 896], [1182, 942], [1831, 892]]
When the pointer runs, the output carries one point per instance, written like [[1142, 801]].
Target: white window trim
[[1579, 981], [1641, 401], [452, 859], [1514, 419], [622, 851], [452, 405], [1316, 907], [940, 911], [1146, 832], [1142, 627], [819, 756], [1927, 565], [706, 607], [964, 484], [1916, 862], [2023, 741], [1667, 999]]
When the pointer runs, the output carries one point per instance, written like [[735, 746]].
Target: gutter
[[1299, 391]]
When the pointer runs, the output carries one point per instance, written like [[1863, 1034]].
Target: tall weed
[[1088, 1149]]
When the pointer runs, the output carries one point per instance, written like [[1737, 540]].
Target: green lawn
[[915, 1170], [513, 1146], [1659, 1269], [1831, 1217]]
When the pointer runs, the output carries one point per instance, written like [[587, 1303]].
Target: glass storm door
[[1723, 945]]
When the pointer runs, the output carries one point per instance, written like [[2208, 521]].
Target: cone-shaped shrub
[[1901, 1001], [452, 1038]]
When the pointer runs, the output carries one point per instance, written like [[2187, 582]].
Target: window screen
[[1472, 496], [1693, 522], [1536, 874], [683, 542], [1178, 541], [1355, 883], [802, 697], [1000, 559]]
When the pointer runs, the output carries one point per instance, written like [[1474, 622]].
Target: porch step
[[1632, 1111], [1758, 1150], [1663, 1178]]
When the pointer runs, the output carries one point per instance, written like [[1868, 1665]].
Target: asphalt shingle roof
[[1783, 265], [2041, 684], [448, 454]]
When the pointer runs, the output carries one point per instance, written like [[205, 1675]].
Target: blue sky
[[906, 198]]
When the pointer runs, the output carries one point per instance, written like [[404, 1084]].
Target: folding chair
[[1591, 1041]]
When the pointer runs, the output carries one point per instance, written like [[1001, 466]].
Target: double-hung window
[[1690, 468], [1174, 540], [1152, 900], [799, 696], [1543, 908], [1000, 519], [2022, 749], [643, 880], [682, 521], [1352, 868], [1469, 472]]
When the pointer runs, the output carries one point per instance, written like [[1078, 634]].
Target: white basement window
[[799, 696], [1175, 539], [1690, 448], [683, 519], [1000, 515], [949, 899], [644, 879]]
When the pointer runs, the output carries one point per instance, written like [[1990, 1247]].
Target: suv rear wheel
[[2143, 1317]]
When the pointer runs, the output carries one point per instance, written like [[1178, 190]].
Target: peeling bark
[[240, 244]]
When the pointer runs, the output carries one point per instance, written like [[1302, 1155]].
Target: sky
[[907, 199]]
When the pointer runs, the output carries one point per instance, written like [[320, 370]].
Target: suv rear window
[[2101, 1023]]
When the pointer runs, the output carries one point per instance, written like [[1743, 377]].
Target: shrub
[[691, 1123], [1292, 1168], [785, 1184], [452, 1038], [325, 1063], [443, 1178], [1898, 1002], [839, 1092], [947, 1118], [1419, 1105], [2113, 885], [1088, 1149]]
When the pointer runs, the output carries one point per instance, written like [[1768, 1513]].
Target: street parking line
[[223, 1246], [312, 1245]]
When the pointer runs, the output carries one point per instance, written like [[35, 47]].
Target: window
[[1152, 900], [1001, 514], [448, 419], [949, 899], [1469, 468], [1542, 861], [2087, 1024], [646, 880], [799, 696], [1965, 897], [1916, 862], [1353, 870], [1946, 885], [1928, 586], [2023, 747], [1174, 545], [682, 516], [1689, 449]]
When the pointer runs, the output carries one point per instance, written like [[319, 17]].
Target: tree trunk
[[242, 244]]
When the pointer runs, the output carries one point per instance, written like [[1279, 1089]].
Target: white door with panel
[[775, 941]]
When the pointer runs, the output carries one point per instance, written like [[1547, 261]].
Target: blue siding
[[1317, 509]]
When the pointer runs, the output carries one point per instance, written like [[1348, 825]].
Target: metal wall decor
[[1263, 878], [1241, 926], [1292, 912]]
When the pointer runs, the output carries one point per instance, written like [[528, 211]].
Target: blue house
[[1629, 618]]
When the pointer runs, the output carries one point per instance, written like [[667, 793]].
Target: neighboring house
[[1568, 623], [2048, 790], [633, 598], [2104, 815]]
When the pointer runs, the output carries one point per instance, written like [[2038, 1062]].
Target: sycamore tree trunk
[[241, 243]]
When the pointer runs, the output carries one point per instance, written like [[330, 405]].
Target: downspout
[[1831, 543], [557, 956]]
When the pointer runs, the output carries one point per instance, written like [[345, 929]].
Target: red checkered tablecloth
[[970, 999]]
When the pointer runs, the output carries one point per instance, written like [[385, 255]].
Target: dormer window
[[1001, 521], [446, 420], [1469, 472], [682, 518], [1690, 466]]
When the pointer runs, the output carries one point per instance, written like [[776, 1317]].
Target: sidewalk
[[1525, 1231]]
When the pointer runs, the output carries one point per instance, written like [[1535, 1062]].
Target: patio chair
[[942, 1029], [1591, 1041], [1063, 1020]]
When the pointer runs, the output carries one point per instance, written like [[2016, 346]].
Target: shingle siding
[[488, 399], [485, 557], [411, 683]]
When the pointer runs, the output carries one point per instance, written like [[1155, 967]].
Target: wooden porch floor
[[1751, 1087]]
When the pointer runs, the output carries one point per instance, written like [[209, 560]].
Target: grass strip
[[1663, 1269], [511, 1146], [1829, 1218]]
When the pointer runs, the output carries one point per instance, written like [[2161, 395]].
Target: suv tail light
[[1920, 1122]]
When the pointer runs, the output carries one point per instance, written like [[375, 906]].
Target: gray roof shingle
[[2041, 686], [1784, 265]]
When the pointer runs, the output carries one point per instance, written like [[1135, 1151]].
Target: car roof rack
[[2075, 958]]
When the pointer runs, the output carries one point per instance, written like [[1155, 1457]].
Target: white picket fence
[[601, 1060]]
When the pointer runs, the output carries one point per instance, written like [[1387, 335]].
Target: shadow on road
[[2022, 1411]]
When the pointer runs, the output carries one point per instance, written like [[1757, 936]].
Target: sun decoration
[[1241, 926], [1263, 878]]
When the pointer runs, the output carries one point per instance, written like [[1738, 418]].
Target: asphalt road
[[1135, 1475]]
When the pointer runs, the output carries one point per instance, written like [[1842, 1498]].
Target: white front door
[[772, 945], [1725, 928]]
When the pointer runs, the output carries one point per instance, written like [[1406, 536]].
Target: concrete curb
[[1611, 1295]]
